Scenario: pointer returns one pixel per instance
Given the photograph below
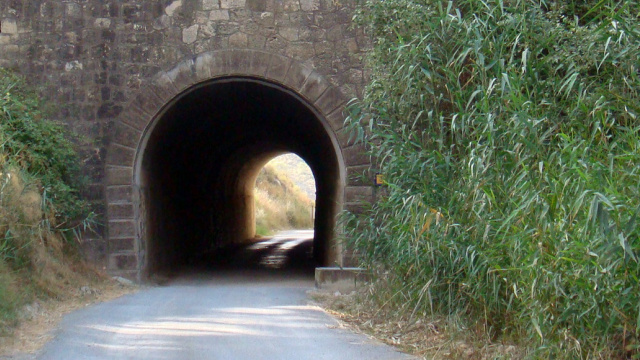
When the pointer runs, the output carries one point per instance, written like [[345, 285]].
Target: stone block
[[171, 9], [309, 5], [118, 175], [219, 15], [109, 110], [190, 34], [355, 155], [122, 245], [360, 175], [257, 5], [119, 194], [120, 211], [8, 26], [119, 229], [232, 4], [345, 279], [120, 156], [210, 4], [238, 40], [358, 194], [123, 261]]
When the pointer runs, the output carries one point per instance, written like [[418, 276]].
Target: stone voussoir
[[330, 100], [314, 87], [183, 75], [296, 76], [126, 135], [278, 68], [120, 155]]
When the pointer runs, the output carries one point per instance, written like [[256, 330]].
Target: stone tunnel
[[199, 166], [183, 102]]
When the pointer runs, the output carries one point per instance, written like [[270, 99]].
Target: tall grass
[[508, 133]]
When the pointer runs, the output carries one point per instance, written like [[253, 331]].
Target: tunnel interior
[[200, 162]]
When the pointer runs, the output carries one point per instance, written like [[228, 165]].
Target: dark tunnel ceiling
[[195, 167], [238, 118]]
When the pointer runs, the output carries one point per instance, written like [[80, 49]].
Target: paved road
[[226, 314]]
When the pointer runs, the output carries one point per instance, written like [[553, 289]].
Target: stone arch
[[125, 211]]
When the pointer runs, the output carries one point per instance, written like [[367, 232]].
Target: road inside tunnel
[[199, 164]]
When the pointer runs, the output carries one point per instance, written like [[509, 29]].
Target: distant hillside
[[298, 171], [280, 204]]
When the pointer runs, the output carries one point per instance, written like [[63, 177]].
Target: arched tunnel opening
[[199, 164], [284, 196]]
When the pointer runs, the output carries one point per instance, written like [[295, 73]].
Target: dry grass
[[42, 275], [280, 204], [39, 318], [428, 338]]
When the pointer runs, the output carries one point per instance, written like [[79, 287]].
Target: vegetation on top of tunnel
[[280, 204], [508, 135], [40, 207]]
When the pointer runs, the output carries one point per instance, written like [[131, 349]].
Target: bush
[[508, 133], [39, 147], [39, 202]]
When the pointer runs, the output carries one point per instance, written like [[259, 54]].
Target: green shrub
[[39, 201], [508, 133], [41, 148]]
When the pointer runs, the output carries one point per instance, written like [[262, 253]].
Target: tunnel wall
[[95, 60]]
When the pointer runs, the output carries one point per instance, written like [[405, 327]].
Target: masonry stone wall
[[92, 57]]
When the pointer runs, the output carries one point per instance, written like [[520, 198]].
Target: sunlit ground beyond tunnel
[[200, 165]]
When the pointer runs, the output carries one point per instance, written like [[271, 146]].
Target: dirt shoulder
[[40, 318], [428, 338]]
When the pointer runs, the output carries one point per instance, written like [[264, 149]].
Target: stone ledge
[[340, 279]]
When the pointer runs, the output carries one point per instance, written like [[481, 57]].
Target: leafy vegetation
[[280, 203], [508, 134], [40, 208]]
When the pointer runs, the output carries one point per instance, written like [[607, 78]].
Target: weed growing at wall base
[[508, 133], [39, 204]]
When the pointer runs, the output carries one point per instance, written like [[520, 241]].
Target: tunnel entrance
[[199, 161]]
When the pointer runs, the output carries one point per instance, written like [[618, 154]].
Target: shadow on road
[[287, 254]]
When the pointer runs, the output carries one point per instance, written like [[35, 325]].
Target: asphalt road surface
[[240, 313]]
